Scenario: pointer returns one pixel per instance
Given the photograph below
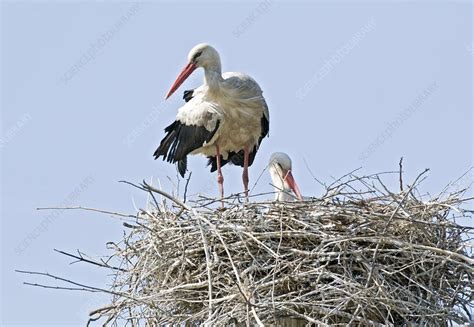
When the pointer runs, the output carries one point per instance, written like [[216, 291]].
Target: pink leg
[[245, 174], [220, 178]]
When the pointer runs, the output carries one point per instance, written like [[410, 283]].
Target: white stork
[[282, 178], [224, 119]]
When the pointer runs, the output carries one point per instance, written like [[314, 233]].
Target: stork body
[[282, 178], [224, 119]]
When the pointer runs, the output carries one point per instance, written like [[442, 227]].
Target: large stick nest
[[359, 255]]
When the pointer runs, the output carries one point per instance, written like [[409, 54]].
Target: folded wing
[[194, 127]]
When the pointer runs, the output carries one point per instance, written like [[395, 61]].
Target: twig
[[88, 209], [186, 187], [401, 172], [80, 257]]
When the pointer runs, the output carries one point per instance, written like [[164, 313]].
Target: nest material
[[360, 255]]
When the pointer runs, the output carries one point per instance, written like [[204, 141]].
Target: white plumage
[[239, 114], [282, 178]]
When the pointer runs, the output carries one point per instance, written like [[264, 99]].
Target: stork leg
[[220, 178], [245, 174]]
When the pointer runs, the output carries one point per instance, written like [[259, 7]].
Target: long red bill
[[292, 184], [181, 78]]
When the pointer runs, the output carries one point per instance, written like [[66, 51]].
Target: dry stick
[[314, 321], [186, 187], [144, 189], [380, 240], [88, 209], [80, 257], [258, 179], [353, 178], [239, 284], [259, 322], [204, 240], [390, 220], [82, 287], [457, 180], [369, 278], [208, 266], [330, 187], [400, 176], [232, 196], [157, 206], [312, 175], [394, 197], [277, 260], [286, 192]]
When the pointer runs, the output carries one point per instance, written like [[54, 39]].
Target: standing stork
[[224, 119], [282, 178]]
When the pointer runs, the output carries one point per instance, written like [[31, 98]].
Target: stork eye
[[197, 55], [277, 166]]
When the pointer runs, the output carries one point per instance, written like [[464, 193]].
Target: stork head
[[202, 55], [282, 178]]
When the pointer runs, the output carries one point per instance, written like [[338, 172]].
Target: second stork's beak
[[181, 78], [292, 184]]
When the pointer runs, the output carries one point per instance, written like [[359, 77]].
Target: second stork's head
[[282, 178], [202, 55]]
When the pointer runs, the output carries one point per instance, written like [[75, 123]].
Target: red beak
[[181, 78], [292, 184]]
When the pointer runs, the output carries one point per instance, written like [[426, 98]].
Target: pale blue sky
[[82, 107]]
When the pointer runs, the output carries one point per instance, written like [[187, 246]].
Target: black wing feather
[[182, 139], [182, 166]]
